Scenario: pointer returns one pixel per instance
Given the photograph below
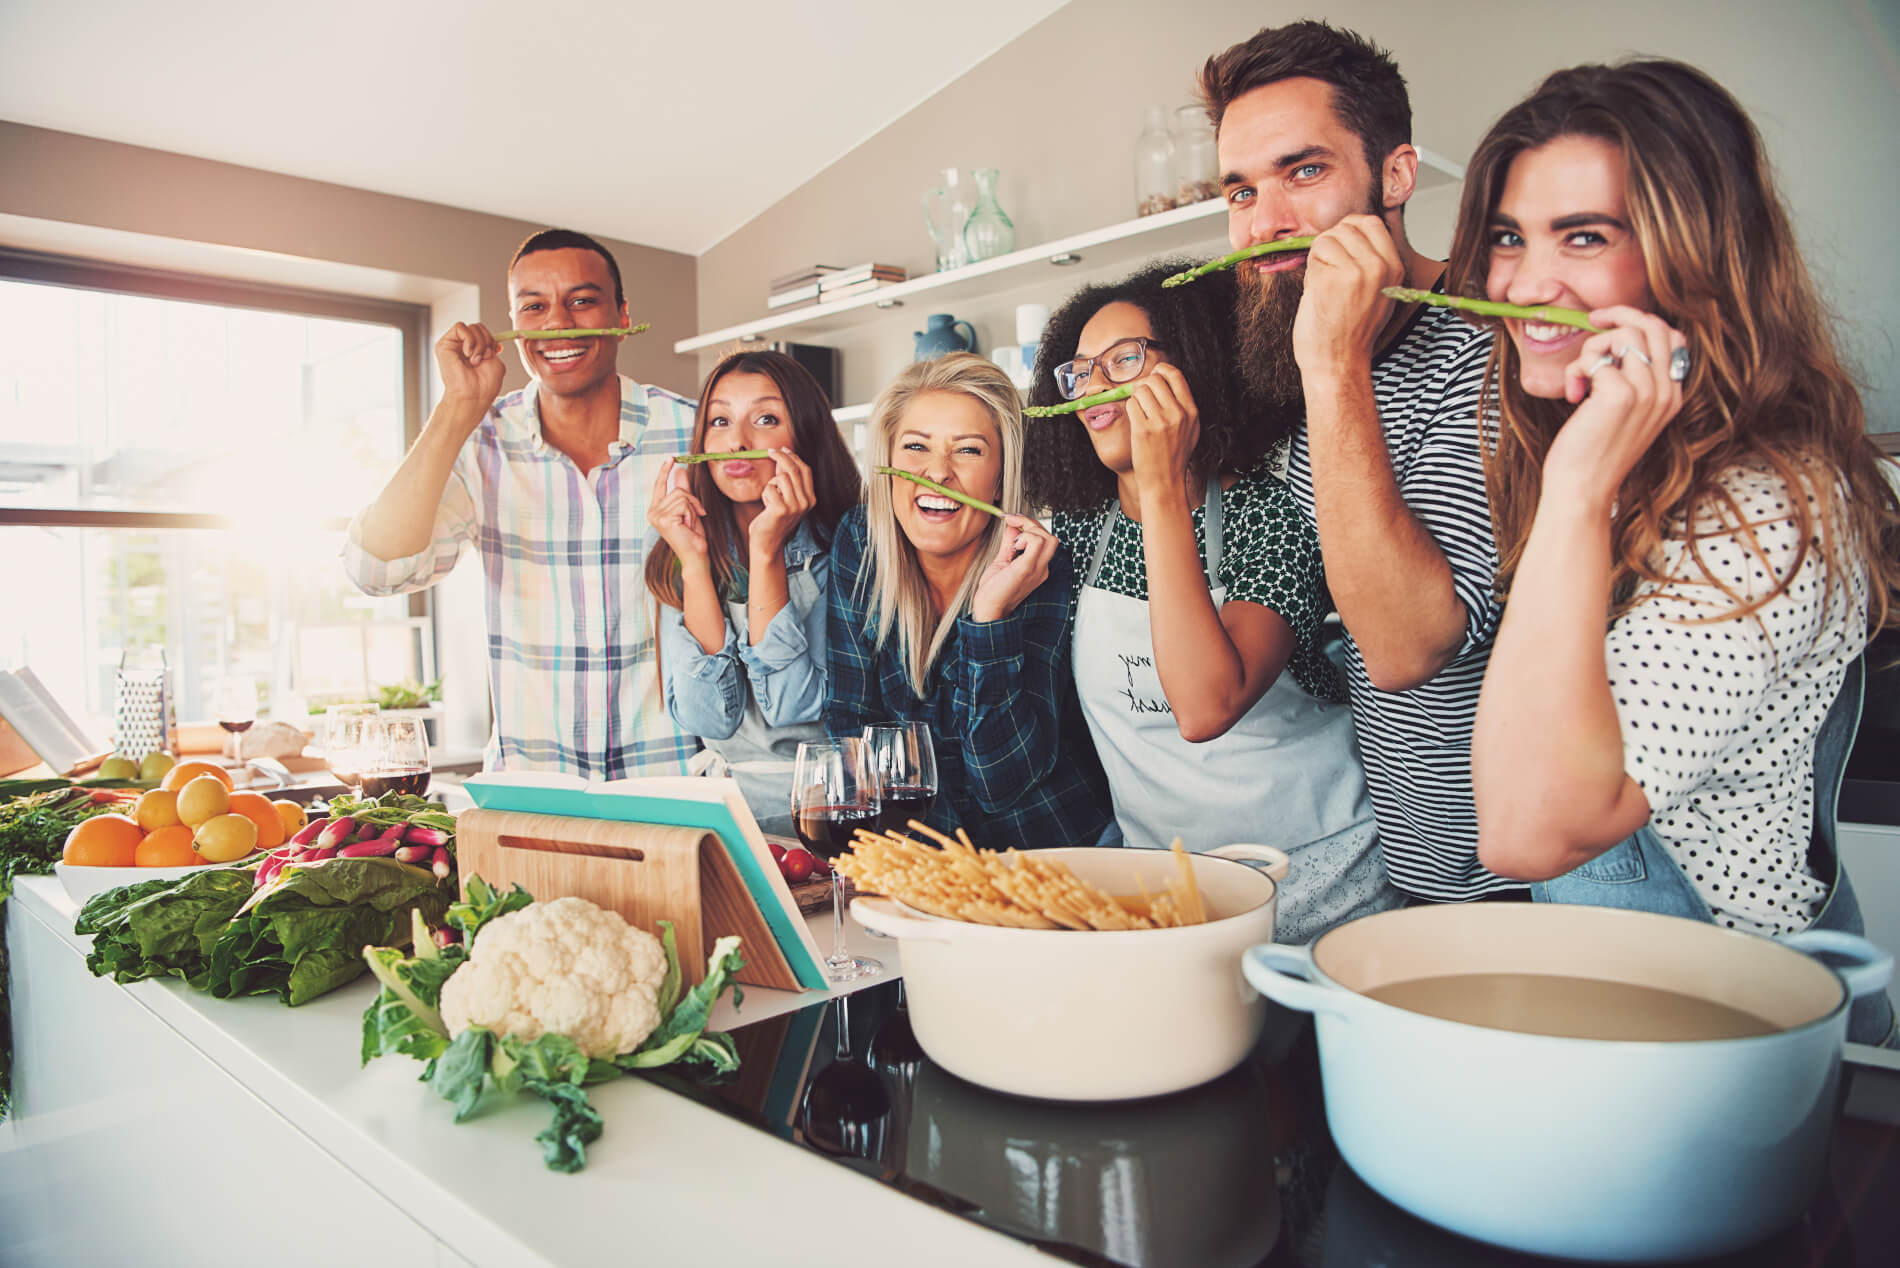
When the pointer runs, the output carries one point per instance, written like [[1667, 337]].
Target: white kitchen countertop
[[669, 1179]]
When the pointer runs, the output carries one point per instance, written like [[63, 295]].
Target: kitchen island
[[156, 1125]]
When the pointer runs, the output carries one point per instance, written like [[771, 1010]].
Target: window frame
[[410, 320]]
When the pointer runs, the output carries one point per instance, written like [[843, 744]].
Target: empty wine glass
[[834, 793], [398, 758], [905, 762], [348, 736]]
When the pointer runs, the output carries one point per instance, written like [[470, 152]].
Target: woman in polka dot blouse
[[1199, 598], [1697, 472]]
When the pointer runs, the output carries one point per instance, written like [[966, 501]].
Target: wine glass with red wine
[[834, 793], [234, 703], [906, 766], [399, 758]]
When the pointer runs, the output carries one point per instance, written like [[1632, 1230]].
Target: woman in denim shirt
[[741, 573]]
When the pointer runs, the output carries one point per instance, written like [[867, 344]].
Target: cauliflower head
[[564, 967]]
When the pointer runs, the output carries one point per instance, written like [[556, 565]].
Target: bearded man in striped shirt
[[1314, 137], [550, 485]]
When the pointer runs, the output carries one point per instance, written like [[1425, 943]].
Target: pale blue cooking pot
[[1583, 1148]]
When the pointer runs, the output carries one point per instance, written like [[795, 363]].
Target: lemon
[[203, 798], [222, 838], [157, 809], [292, 815]]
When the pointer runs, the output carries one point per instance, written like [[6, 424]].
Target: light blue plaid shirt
[[570, 627]]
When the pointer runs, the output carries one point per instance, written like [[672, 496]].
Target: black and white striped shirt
[[1417, 744]]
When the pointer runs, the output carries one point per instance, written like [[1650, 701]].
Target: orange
[[292, 816], [258, 809], [183, 773], [202, 798], [157, 809], [168, 847], [104, 841]]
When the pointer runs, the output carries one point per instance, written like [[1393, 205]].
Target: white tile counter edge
[[668, 1176]]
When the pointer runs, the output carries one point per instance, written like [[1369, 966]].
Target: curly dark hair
[[1195, 324]]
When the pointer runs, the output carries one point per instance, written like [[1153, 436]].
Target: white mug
[[1030, 320]]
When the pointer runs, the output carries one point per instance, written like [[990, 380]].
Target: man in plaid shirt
[[550, 484]]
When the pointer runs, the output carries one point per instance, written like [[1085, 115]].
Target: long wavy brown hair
[[1766, 387], [835, 483]]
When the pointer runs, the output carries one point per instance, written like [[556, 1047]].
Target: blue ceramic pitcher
[[941, 336]]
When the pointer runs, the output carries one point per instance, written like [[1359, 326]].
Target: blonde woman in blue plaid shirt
[[550, 485], [947, 615]]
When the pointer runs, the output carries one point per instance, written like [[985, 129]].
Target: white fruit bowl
[[83, 883]]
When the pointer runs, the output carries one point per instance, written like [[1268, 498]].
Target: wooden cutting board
[[646, 872]]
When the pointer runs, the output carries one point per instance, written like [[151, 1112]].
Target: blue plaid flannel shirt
[[1015, 764]]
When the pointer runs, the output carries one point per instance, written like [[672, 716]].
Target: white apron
[[1287, 774]]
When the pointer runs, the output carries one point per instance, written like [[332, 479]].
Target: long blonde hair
[[1766, 388], [901, 600]]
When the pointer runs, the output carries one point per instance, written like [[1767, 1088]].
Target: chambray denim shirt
[[706, 693]]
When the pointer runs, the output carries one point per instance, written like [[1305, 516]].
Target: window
[[178, 460]]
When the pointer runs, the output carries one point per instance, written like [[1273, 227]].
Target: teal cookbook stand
[[673, 848]]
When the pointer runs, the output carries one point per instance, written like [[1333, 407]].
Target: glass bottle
[[1196, 161], [988, 233], [1154, 164]]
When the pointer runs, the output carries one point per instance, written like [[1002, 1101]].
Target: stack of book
[[827, 283]]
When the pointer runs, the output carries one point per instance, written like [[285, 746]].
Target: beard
[[1264, 308]]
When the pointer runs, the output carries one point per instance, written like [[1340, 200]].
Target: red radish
[[446, 937], [419, 834], [320, 854], [440, 865], [309, 832], [797, 865], [368, 850], [337, 831], [392, 833], [412, 854]]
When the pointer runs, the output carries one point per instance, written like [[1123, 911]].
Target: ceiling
[[669, 124]]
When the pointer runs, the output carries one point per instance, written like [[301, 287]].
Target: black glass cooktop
[[1240, 1172]]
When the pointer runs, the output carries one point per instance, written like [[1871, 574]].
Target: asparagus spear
[[1228, 261], [732, 456], [973, 503], [1087, 402], [573, 334], [1491, 308]]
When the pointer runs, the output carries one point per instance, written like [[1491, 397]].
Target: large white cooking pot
[[1598, 1149], [1087, 1016]]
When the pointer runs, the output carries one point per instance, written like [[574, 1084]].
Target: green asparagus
[[1492, 308], [573, 334], [976, 504], [1228, 261], [1086, 402], [734, 455]]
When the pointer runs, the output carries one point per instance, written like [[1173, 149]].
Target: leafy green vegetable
[[162, 928], [406, 1018], [391, 809], [306, 936]]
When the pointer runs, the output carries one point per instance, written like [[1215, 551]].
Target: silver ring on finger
[[1638, 353], [1679, 365], [1608, 358]]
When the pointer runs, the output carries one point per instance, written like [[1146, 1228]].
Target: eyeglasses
[[1121, 361]]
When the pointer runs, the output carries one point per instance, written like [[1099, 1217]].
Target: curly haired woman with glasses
[[1200, 599]]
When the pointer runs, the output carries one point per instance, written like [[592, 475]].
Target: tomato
[[778, 851], [797, 865]]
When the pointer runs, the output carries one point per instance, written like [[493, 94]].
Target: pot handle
[[1277, 862], [1875, 966], [1284, 975], [880, 915]]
